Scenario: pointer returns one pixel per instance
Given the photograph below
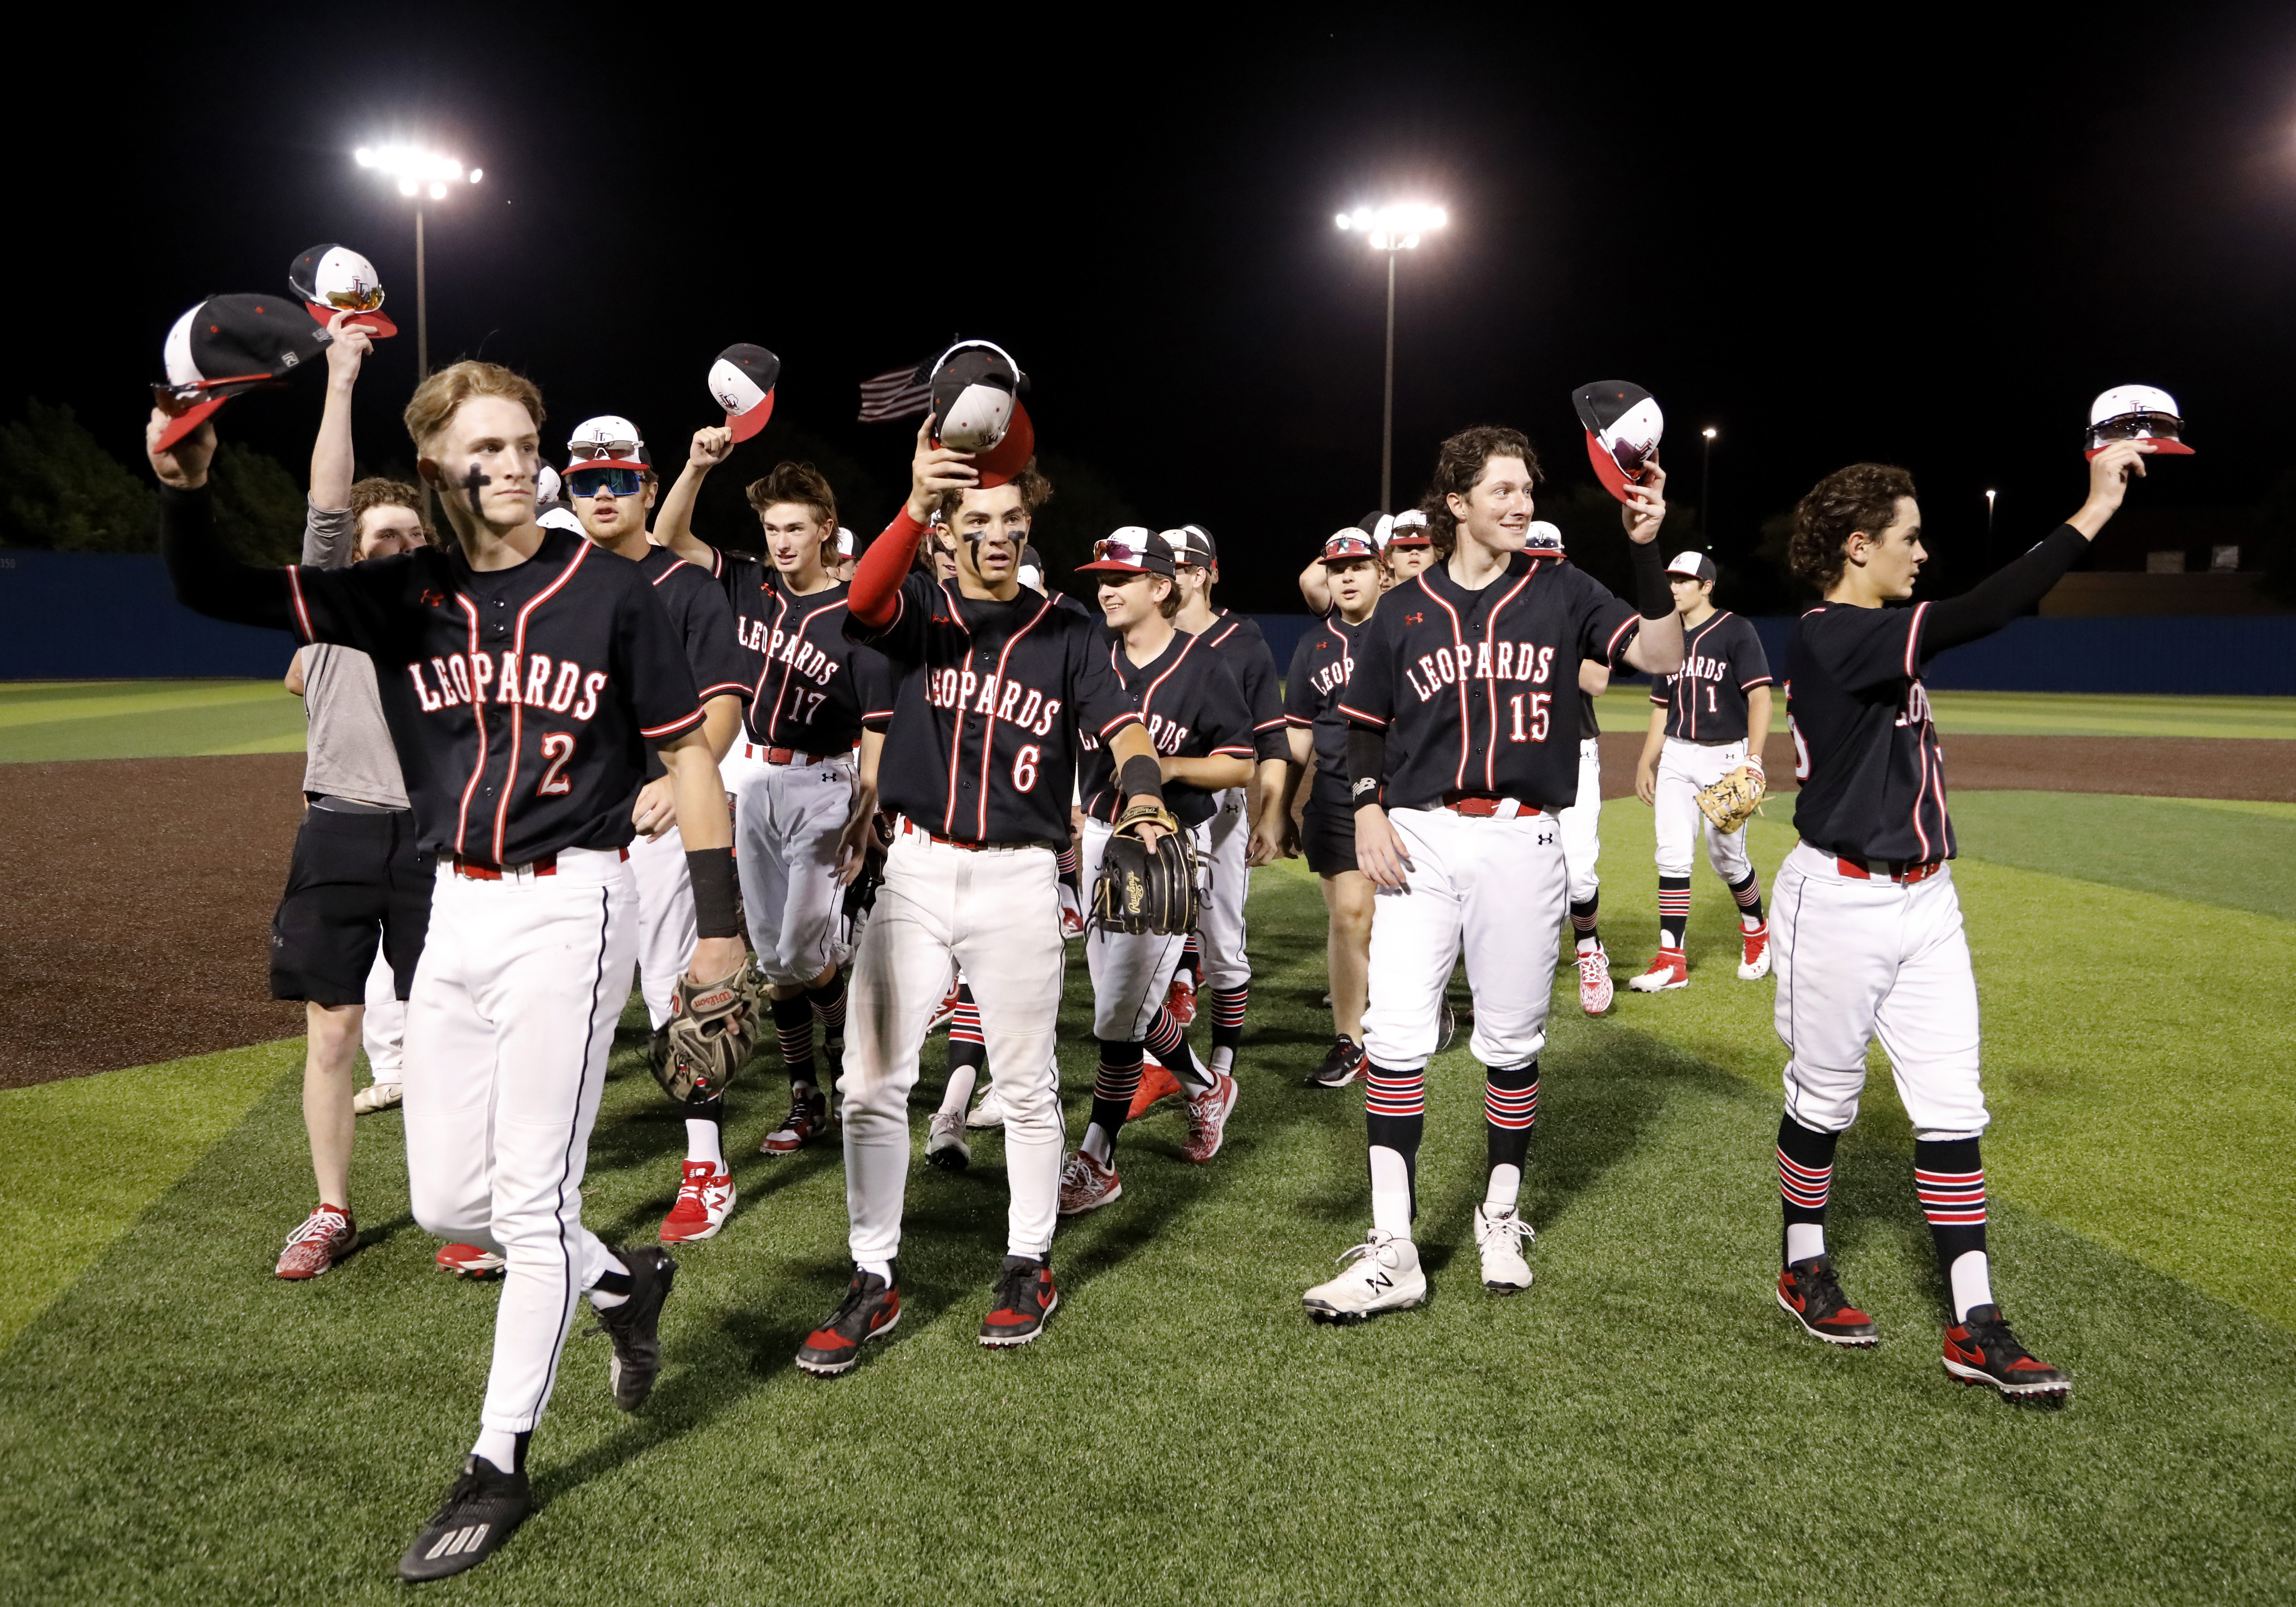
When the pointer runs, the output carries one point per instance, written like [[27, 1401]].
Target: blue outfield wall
[[113, 616]]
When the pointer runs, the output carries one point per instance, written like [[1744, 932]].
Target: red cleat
[[1668, 969], [1157, 1084], [1180, 999], [1756, 963], [326, 1236], [470, 1261], [703, 1200]]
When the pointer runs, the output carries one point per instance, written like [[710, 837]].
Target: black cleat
[[1447, 1031], [636, 1325], [1981, 1350], [471, 1524], [1811, 1294], [870, 1309], [1341, 1066], [1023, 1302]]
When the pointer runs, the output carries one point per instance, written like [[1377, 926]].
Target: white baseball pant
[[785, 848], [1129, 971], [1683, 770], [1582, 825], [1223, 841], [1886, 958], [667, 924], [508, 1028], [743, 763], [996, 913], [382, 1025], [1493, 887]]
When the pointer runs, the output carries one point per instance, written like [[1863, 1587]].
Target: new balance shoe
[[703, 1200], [1981, 1350], [1595, 989], [1208, 1114], [1086, 1186], [481, 1510], [987, 1111], [945, 1145], [1755, 965], [1180, 999], [635, 1325], [377, 1096], [870, 1310], [1500, 1236], [1157, 1084], [1343, 1062], [327, 1235], [1023, 1303], [1668, 969], [1382, 1274], [808, 1119], [470, 1261], [1811, 1294]]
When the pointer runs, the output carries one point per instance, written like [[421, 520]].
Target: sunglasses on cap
[[578, 450], [614, 482], [2137, 427], [355, 301]]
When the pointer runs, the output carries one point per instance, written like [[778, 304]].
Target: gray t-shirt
[[349, 751]]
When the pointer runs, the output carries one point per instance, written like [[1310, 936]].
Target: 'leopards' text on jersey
[[988, 701], [1478, 690], [1246, 651], [1193, 707], [1705, 701], [705, 625], [1320, 668], [810, 684], [1865, 750], [523, 702]]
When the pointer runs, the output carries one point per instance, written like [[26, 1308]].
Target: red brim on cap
[[746, 424], [189, 419], [580, 464], [1606, 469], [375, 323], [2159, 450], [1411, 541], [1006, 459]]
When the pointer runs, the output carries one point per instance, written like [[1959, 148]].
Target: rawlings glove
[[712, 1027], [1144, 889], [1732, 801]]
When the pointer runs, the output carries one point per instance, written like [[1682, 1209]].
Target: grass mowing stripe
[[2241, 858], [1628, 708], [85, 1156], [136, 698]]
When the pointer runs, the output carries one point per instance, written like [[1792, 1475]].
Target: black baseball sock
[[1805, 1176], [1510, 1109], [1673, 910], [1582, 922], [793, 1026], [1168, 1041], [1950, 1179], [1112, 1098], [1749, 895], [1395, 1119]]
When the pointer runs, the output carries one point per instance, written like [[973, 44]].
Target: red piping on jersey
[[518, 710], [477, 713], [1914, 642], [1490, 688], [295, 589], [1611, 648], [1359, 716], [1688, 705], [989, 729], [1458, 640]]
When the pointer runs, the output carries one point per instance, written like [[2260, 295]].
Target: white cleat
[[375, 1096], [1382, 1274], [988, 1111], [1755, 947], [1500, 1236], [945, 1145], [1668, 971], [1595, 989]]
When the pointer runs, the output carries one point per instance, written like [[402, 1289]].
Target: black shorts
[[1327, 837], [357, 880]]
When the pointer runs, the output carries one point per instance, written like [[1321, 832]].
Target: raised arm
[[208, 580], [1315, 587], [877, 577], [1657, 647], [673, 516]]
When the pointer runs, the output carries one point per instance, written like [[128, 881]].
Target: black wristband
[[1141, 775], [717, 892], [1652, 596], [1366, 765]]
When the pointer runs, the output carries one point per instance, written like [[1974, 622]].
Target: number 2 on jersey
[[1536, 729], [557, 747]]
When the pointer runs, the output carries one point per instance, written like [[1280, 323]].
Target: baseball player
[[610, 484], [1581, 823], [1195, 713], [523, 674], [1317, 735], [994, 686], [1707, 719], [1410, 545], [1868, 937], [349, 928], [1463, 743]]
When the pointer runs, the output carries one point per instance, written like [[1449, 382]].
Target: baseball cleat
[[1180, 999], [1023, 1302], [703, 1200], [327, 1235], [833, 1065], [1499, 1236], [377, 1096], [1595, 989], [870, 1309], [1342, 1064], [1755, 965], [635, 1326], [1157, 1084], [1208, 1114], [807, 1118], [1086, 1186], [945, 1012], [945, 1145], [470, 1261], [1384, 1276], [1668, 969], [1071, 914], [481, 1510], [1446, 1028], [988, 1111], [1812, 1296], [1981, 1350]]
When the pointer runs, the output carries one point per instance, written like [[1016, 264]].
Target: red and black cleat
[[1023, 1302], [1812, 1296], [807, 1118], [870, 1309], [1981, 1350]]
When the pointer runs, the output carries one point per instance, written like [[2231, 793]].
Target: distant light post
[[1706, 483], [1988, 514], [417, 172], [1391, 229]]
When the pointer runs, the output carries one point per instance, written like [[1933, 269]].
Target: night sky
[[1930, 244]]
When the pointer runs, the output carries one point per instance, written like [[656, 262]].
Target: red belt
[[1485, 808], [1897, 870], [479, 869], [789, 756]]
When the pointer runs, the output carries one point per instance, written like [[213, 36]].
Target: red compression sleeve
[[877, 577]]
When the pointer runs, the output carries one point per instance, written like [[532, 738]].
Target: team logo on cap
[[226, 346], [1409, 529], [336, 279], [1623, 425], [976, 402], [1133, 550], [609, 441], [741, 381], [1693, 566], [1345, 546], [2137, 412], [1543, 537]]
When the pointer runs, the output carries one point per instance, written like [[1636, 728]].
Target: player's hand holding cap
[[226, 346], [1623, 425], [2137, 412], [1133, 550], [976, 409], [336, 279], [741, 381]]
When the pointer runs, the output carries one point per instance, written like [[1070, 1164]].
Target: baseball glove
[[1146, 890], [1732, 801], [711, 1030]]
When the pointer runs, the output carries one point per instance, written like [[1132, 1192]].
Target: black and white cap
[[1693, 566], [1193, 544], [336, 279], [1623, 425], [1032, 569], [609, 441], [1133, 550], [742, 381], [2137, 412], [226, 346], [976, 407], [1544, 538], [845, 542], [547, 487], [560, 518]]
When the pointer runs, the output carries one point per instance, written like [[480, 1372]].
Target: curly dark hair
[[1459, 464], [1862, 498], [799, 483], [1035, 491]]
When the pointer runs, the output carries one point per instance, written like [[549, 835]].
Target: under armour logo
[[434, 599], [1414, 618]]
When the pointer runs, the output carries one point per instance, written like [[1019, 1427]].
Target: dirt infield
[[139, 891]]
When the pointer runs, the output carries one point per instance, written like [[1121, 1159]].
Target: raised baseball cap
[[609, 441], [976, 402], [1623, 425], [741, 381], [1543, 537], [1693, 565], [336, 279], [2137, 412], [1345, 546], [227, 345], [1133, 550]]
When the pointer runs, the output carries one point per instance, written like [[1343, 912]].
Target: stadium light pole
[[1706, 483], [418, 173], [1391, 229]]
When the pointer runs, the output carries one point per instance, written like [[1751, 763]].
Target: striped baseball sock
[[828, 1002], [1510, 1109], [793, 1026], [1673, 910], [1395, 1119], [1950, 1179], [1067, 859], [968, 1051], [1583, 923], [1227, 1016], [1749, 895], [1805, 1177], [1112, 1098], [1168, 1041], [1192, 959]]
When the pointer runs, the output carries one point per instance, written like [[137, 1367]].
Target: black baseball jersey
[[1705, 701], [523, 702], [1246, 651], [1865, 750], [1320, 668], [1587, 723], [705, 623], [1477, 692], [987, 702], [810, 684], [1193, 707]]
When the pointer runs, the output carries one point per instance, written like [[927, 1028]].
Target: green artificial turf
[[51, 720], [2242, 857], [1628, 707], [1644, 1426]]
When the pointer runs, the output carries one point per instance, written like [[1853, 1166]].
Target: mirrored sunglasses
[[615, 482]]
